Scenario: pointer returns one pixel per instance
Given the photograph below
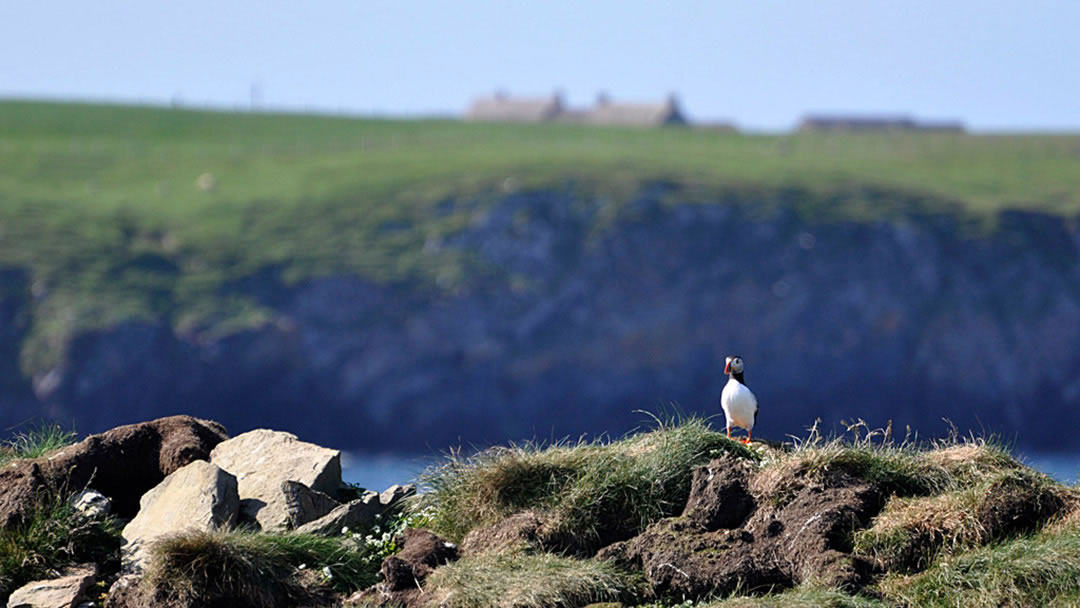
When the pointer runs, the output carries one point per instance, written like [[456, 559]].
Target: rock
[[64, 592], [394, 493], [91, 504], [199, 496], [358, 514], [122, 463], [262, 459], [302, 504]]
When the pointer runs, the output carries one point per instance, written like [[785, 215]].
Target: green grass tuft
[[35, 442], [256, 569], [587, 491], [54, 536], [1041, 570], [529, 581]]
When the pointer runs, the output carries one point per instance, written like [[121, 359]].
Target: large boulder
[[122, 463], [262, 460], [200, 496], [67, 591]]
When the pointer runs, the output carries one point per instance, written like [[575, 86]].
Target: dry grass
[[904, 467], [910, 532], [802, 597], [529, 581]]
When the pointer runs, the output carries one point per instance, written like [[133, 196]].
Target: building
[[500, 107], [610, 113], [850, 123], [504, 108]]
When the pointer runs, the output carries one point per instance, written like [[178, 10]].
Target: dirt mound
[[728, 540], [403, 574], [519, 532], [122, 463], [1016, 504]]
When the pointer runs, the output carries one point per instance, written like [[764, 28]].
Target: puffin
[[739, 403]]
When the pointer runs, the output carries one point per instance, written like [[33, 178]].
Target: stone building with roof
[[504, 108], [501, 107]]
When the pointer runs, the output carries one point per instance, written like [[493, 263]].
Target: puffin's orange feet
[[745, 441]]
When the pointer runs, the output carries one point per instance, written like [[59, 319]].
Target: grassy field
[[137, 212]]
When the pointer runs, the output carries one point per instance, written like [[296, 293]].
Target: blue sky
[[761, 63]]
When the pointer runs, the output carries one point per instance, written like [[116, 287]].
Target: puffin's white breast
[[739, 404]]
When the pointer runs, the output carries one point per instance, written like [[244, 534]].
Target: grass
[[255, 569], [909, 534], [35, 442], [905, 467], [53, 537], [1040, 570], [529, 581], [100, 204], [588, 491], [802, 597]]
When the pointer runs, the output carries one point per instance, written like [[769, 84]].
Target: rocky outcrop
[[122, 463], [199, 496], [264, 461], [579, 311], [68, 591]]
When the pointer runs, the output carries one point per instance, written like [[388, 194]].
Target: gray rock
[[262, 459], [199, 496], [390, 496], [91, 504], [302, 504], [67, 591], [358, 514]]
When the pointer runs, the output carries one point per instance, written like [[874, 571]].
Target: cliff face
[[572, 322]]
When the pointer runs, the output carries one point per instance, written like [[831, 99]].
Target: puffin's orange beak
[[727, 367]]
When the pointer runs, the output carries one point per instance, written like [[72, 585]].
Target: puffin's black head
[[733, 365]]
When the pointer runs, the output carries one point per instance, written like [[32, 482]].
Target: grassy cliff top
[[146, 158], [120, 212]]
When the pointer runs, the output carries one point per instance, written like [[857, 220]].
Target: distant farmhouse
[[504, 108], [820, 123]]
